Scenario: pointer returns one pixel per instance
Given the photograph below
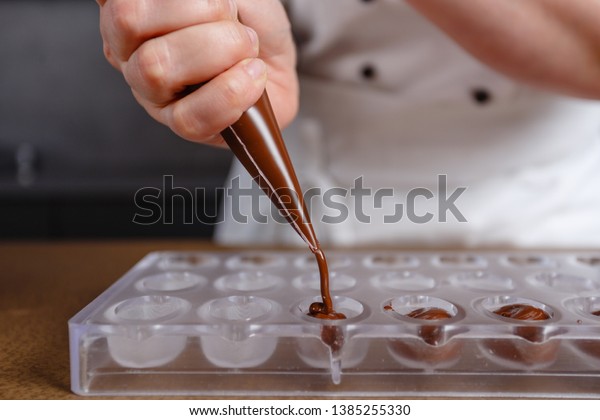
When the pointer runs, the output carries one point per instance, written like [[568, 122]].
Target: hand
[[165, 47]]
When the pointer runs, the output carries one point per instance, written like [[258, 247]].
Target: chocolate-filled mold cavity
[[561, 282], [334, 262], [482, 281], [418, 324], [533, 345], [255, 261], [414, 308], [408, 281], [338, 282], [390, 261], [187, 261], [171, 281], [460, 261], [234, 343], [351, 308], [431, 346], [589, 260], [249, 282], [587, 307], [528, 261], [516, 310]]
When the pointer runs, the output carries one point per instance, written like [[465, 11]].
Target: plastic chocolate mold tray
[[236, 325]]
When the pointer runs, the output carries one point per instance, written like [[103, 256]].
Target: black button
[[368, 72], [481, 96], [367, 1]]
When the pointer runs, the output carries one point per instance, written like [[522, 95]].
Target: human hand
[[167, 48]]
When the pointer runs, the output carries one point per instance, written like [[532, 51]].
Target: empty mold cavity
[[141, 351], [528, 261], [234, 343], [560, 282], [334, 262], [391, 261], [171, 281], [482, 281], [460, 261], [142, 346], [409, 281], [147, 309], [187, 261], [588, 307], [255, 261], [338, 282], [248, 281]]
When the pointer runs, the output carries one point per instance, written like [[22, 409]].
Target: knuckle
[[185, 123], [219, 9], [237, 37], [234, 91], [153, 63], [125, 18]]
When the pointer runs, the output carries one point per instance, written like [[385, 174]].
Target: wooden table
[[42, 285]]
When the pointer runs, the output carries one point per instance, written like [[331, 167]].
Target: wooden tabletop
[[42, 285]]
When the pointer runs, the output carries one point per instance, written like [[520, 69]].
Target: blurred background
[[74, 145]]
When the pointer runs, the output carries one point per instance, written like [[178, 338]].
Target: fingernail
[[253, 37], [256, 68]]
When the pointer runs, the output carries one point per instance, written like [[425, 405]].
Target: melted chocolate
[[522, 312], [256, 141], [431, 334]]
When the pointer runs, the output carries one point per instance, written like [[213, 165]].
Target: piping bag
[[256, 141]]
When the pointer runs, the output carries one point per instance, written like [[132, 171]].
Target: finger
[[126, 24], [163, 67], [216, 105]]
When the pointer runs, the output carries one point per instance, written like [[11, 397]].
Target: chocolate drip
[[256, 141]]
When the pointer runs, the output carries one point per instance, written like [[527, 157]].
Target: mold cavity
[[147, 352], [529, 261], [187, 261], [404, 280], [248, 281], [431, 313], [391, 261], [351, 308], [482, 281], [256, 261], [515, 309], [460, 261], [560, 282], [337, 282], [588, 307], [334, 262], [171, 281], [238, 309], [593, 261], [148, 308]]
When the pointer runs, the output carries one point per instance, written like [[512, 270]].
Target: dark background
[[74, 145]]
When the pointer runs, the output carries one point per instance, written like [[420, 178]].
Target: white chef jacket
[[388, 98]]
